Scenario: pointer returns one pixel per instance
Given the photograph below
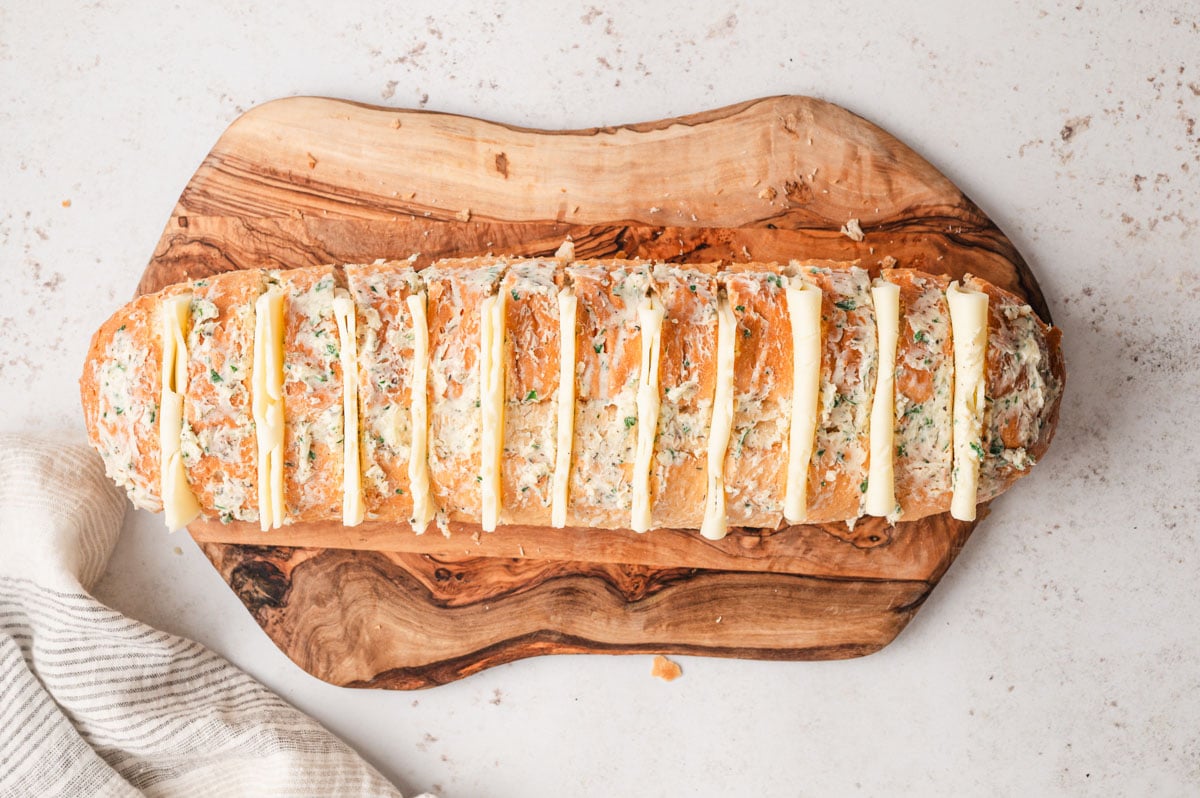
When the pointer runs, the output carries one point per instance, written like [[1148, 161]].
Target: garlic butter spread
[[347, 324], [881, 476], [179, 503], [968, 323], [804, 314], [650, 319], [714, 525], [565, 427], [266, 395]]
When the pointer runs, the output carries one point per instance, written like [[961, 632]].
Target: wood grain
[[307, 181]]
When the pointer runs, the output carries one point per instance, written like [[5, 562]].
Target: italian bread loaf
[[552, 392]]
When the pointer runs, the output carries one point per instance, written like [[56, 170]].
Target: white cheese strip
[[565, 432], [968, 326], [491, 397], [714, 525], [650, 319], [881, 475], [418, 463], [179, 503], [347, 324], [266, 398], [804, 313]]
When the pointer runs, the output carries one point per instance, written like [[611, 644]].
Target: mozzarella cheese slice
[[491, 398], [347, 324], [714, 526], [418, 464], [881, 476], [804, 313], [179, 503], [565, 431], [650, 319], [968, 327], [266, 400]]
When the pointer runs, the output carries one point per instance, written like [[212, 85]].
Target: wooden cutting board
[[306, 181]]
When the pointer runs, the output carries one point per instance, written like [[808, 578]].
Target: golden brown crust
[[608, 360], [531, 352], [456, 290], [756, 460], [836, 480], [687, 380], [385, 358], [219, 448], [312, 395], [120, 388], [924, 390]]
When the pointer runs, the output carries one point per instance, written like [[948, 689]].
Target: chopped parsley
[[630, 421], [920, 337], [531, 396], [862, 488], [740, 308], [516, 296], [214, 376], [975, 447], [846, 304], [598, 347]]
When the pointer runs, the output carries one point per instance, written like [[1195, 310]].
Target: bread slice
[[687, 380], [312, 395], [218, 446], [456, 290], [756, 459], [849, 358], [121, 387], [608, 362], [385, 373], [1023, 388], [531, 354], [924, 393]]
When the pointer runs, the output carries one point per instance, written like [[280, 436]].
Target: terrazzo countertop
[[1059, 654]]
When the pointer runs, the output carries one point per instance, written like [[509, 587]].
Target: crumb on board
[[566, 250], [655, 209], [665, 669], [397, 124], [312, 160], [66, 203], [769, 193], [852, 230], [178, 550], [464, 215], [888, 262]]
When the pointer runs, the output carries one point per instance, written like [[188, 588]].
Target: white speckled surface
[[1059, 655]]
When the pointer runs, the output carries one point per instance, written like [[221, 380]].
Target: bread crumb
[[719, 617], [746, 252], [66, 203], [852, 230], [664, 669], [397, 124], [566, 250], [769, 193], [888, 262], [312, 161], [178, 551], [655, 209], [520, 548], [464, 215]]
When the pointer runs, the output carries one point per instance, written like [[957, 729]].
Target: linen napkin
[[93, 703]]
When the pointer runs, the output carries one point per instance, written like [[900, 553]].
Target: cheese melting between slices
[[714, 526], [266, 398], [347, 324], [568, 305], [179, 503], [968, 327], [881, 475], [650, 319], [418, 464], [491, 399], [804, 313]]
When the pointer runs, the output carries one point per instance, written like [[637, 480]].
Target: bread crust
[[385, 371], [456, 289], [687, 380], [531, 352], [219, 448], [756, 459], [312, 395]]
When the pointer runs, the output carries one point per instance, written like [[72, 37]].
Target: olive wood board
[[307, 181]]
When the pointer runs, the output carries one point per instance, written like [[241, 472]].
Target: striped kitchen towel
[[93, 703]]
